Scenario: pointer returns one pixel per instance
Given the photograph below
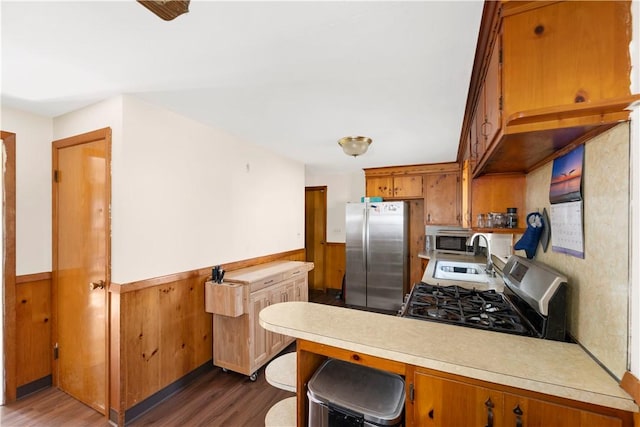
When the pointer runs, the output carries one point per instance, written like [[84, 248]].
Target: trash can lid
[[377, 395]]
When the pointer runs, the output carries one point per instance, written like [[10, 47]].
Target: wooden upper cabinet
[[565, 53], [407, 186], [547, 77], [496, 193], [441, 198], [380, 186], [492, 123], [395, 187]]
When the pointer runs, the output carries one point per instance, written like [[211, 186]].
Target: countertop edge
[[592, 397]]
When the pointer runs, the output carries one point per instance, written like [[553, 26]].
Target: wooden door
[[316, 234], [81, 266], [9, 380]]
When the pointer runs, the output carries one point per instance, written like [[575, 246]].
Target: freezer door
[[387, 252], [355, 274]]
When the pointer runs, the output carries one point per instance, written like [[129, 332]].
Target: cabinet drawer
[[265, 281], [226, 299], [297, 272]]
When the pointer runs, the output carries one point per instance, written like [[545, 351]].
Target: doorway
[[81, 266], [316, 234]]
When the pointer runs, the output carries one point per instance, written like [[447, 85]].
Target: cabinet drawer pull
[[518, 413], [268, 282], [489, 404]]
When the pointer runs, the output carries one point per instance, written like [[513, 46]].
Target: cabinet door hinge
[[500, 56], [500, 103], [55, 351], [57, 176], [411, 392]]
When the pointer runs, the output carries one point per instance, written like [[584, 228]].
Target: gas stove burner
[[466, 307], [520, 309]]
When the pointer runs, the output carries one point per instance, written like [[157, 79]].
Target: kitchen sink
[[463, 271]]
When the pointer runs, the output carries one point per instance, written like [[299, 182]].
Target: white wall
[[341, 188], [33, 189], [189, 196]]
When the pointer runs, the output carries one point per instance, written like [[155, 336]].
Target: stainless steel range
[[533, 302]]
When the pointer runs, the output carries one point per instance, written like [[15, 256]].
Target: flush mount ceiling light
[[354, 145], [166, 9]]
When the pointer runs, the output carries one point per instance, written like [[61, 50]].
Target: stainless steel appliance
[[377, 267], [343, 394], [533, 303], [452, 240]]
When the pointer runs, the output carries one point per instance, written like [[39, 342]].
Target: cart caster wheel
[[224, 370], [253, 377]]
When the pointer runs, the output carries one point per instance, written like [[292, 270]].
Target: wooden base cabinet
[[240, 344], [440, 402]]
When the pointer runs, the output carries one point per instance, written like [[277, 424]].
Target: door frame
[[9, 269], [323, 190], [97, 135]]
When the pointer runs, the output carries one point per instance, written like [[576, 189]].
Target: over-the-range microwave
[[451, 240]]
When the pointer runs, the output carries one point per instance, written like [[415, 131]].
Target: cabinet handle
[[518, 413], [428, 217], [431, 414], [483, 128], [489, 404]]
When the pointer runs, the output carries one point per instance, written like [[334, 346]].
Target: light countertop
[[550, 367]]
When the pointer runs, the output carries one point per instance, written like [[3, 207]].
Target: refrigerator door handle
[[365, 234]]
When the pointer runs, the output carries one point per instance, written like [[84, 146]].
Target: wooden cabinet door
[[465, 196], [443, 403], [283, 292], [379, 186], [441, 199], [521, 411], [258, 336], [405, 187], [301, 289], [493, 98], [553, 55]]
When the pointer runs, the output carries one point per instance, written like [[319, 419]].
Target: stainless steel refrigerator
[[377, 254]]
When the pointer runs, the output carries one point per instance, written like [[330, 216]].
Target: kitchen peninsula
[[512, 373]]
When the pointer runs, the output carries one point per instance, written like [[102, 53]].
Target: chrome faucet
[[489, 270]]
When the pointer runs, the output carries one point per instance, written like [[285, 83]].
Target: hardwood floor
[[216, 398]]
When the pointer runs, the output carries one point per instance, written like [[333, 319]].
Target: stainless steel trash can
[[343, 394]]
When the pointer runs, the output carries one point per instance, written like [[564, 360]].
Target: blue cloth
[[529, 240]]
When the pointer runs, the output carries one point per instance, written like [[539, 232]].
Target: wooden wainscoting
[[335, 265], [33, 330], [160, 333]]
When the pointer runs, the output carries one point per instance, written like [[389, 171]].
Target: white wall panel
[[33, 189]]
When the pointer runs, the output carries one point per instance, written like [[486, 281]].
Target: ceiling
[[293, 76]]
